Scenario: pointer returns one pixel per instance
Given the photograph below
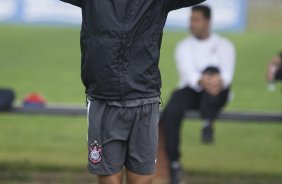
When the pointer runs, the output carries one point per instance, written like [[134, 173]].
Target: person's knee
[[210, 101], [113, 179], [145, 180], [133, 178]]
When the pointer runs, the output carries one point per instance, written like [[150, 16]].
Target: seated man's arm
[[177, 4], [73, 2], [187, 69], [227, 65]]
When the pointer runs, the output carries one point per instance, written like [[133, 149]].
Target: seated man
[[205, 62]]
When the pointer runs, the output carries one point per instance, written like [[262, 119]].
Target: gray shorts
[[122, 135]]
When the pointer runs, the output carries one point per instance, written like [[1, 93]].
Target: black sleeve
[[73, 2], [177, 4]]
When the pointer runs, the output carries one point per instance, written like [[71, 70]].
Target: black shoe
[[176, 174], [207, 135]]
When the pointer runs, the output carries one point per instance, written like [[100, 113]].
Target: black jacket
[[120, 45]]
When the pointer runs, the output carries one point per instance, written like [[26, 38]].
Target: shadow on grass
[[24, 172]]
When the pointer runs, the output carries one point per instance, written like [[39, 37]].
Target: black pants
[[278, 75], [187, 99]]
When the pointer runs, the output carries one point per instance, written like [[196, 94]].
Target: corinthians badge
[[95, 153]]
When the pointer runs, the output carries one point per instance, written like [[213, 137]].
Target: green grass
[[243, 149], [43, 142], [46, 60], [58, 144]]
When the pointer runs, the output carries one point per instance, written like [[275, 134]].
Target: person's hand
[[204, 81], [211, 83]]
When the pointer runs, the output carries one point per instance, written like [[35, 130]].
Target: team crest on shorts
[[95, 153]]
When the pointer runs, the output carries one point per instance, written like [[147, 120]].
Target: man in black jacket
[[120, 45]]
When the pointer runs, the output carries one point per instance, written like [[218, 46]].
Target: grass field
[[46, 60]]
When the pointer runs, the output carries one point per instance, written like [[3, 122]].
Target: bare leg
[[112, 179], [133, 178]]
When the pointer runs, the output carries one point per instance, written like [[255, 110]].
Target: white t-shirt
[[193, 56]]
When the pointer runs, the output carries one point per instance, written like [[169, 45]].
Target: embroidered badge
[[95, 153]]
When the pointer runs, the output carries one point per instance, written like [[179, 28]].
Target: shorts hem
[[100, 173], [144, 172]]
